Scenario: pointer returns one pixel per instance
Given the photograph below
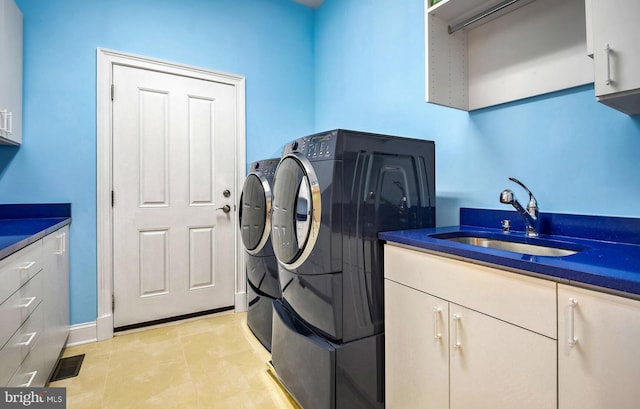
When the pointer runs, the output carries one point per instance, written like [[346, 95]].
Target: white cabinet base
[[489, 353]]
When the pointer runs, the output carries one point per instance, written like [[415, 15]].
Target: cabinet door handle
[[32, 376], [607, 51], [27, 266], [29, 340], [572, 339], [436, 327], [61, 243], [9, 122], [28, 303], [456, 331], [3, 120]]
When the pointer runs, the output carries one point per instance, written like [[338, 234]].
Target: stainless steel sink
[[534, 249]]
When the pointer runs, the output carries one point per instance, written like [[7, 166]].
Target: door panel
[[173, 156], [201, 163], [153, 134], [201, 267], [154, 262], [489, 355]]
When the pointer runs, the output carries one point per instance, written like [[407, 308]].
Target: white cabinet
[[416, 348], [10, 73], [524, 49], [34, 310], [461, 335], [497, 365], [56, 316], [614, 33], [598, 360], [21, 298]]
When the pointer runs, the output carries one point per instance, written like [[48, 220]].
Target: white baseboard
[[240, 302], [104, 327], [82, 334]]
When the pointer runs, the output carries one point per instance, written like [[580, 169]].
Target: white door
[[173, 159]]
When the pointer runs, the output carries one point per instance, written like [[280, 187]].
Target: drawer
[[21, 344], [18, 268], [32, 371], [19, 306], [519, 299]]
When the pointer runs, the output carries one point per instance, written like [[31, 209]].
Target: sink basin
[[540, 247]]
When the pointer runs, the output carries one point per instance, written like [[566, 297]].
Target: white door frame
[[105, 61]]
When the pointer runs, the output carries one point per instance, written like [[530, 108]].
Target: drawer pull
[[28, 303], [436, 327], [61, 243], [456, 331], [572, 340], [32, 376], [27, 343], [27, 266]]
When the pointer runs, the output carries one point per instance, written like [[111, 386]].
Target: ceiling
[[310, 3]]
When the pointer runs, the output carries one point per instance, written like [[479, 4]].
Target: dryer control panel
[[319, 146], [266, 166]]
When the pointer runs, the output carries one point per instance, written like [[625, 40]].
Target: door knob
[[226, 193], [225, 208]]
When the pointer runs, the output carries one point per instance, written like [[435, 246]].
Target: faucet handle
[[533, 203]]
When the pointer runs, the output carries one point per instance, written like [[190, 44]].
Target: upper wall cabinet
[[614, 41], [10, 73], [481, 53]]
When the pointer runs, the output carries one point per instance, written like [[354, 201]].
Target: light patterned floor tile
[[210, 362]]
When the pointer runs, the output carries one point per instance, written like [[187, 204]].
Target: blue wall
[[269, 42], [352, 63], [575, 154]]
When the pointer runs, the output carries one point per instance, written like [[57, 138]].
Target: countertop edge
[[565, 275], [9, 250]]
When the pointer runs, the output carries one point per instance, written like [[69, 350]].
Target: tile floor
[[209, 362]]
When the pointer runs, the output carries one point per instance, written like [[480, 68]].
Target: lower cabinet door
[[497, 365], [416, 349], [598, 359]]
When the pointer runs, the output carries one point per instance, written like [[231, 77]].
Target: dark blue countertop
[[609, 255], [23, 224]]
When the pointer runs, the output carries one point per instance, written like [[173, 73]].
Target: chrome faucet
[[530, 214]]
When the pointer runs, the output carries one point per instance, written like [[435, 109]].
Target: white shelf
[[533, 48]]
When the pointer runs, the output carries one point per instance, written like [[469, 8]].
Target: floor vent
[[67, 368]]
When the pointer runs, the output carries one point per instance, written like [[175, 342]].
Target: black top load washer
[[334, 191], [261, 265]]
